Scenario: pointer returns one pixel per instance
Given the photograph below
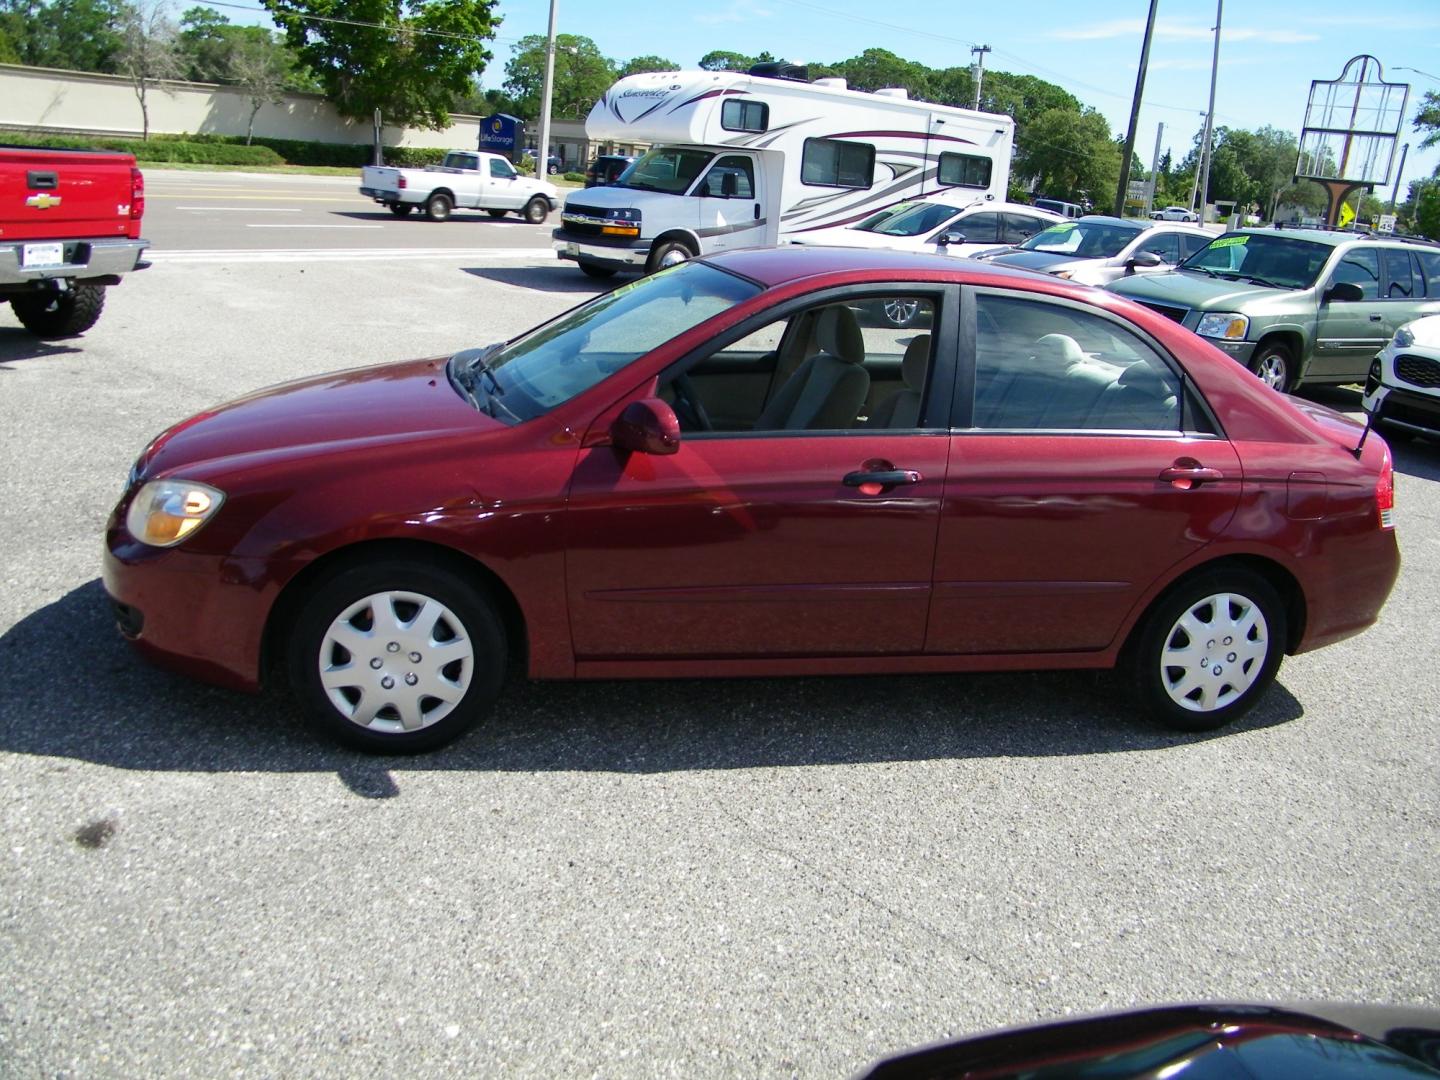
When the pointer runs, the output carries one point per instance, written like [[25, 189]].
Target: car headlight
[[165, 512], [1404, 338], [1223, 325]]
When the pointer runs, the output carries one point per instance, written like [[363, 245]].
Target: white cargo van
[[747, 159]]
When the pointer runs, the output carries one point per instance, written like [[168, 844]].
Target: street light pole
[[1210, 116], [547, 92]]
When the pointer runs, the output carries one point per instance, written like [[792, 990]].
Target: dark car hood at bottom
[[361, 406], [1033, 260]]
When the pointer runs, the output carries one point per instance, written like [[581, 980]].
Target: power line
[[356, 22]]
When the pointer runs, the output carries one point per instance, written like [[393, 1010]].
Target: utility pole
[[547, 93], [1154, 169], [1210, 116], [1395, 191], [1195, 180], [979, 66], [1122, 190]]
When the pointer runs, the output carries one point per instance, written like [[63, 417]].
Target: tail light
[[137, 194], [402, 183], [1385, 493]]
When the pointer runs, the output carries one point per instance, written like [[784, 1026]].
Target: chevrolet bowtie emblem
[[43, 201]]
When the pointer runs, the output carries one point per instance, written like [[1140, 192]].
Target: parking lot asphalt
[[758, 878]]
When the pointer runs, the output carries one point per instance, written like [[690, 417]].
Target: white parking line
[[309, 255], [248, 209], [254, 226]]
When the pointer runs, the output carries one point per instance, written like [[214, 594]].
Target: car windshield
[[535, 372], [1083, 239], [666, 170], [911, 219], [1280, 262]]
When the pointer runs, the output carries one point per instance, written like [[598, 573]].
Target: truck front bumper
[[615, 253], [80, 259]]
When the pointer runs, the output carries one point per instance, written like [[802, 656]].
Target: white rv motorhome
[[744, 160]]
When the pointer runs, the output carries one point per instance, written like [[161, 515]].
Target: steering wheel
[[689, 402]]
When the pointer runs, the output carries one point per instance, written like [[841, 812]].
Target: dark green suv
[[1297, 305]]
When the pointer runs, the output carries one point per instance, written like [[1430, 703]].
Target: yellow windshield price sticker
[[1229, 241], [1064, 226]]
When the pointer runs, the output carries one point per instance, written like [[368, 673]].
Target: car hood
[[608, 197], [354, 409], [1045, 261], [1186, 288], [1426, 331], [859, 238]]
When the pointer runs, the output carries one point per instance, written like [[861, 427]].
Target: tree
[[720, 60], [79, 35], [204, 43], [642, 64], [875, 69], [147, 51], [260, 66], [1422, 208], [410, 59], [582, 74], [1070, 153], [1427, 119]]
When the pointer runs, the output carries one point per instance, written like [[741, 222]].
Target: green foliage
[[641, 64], [574, 177], [79, 35], [173, 148], [1427, 118], [411, 64], [875, 69], [720, 60], [582, 74], [1422, 208], [1070, 154]]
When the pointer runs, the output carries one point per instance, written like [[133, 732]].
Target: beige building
[[46, 99]]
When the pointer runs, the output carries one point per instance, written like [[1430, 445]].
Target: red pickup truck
[[69, 227]]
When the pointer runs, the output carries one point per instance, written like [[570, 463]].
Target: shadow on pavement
[[562, 278], [93, 700], [16, 344]]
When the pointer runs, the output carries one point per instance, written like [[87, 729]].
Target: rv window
[[832, 163], [745, 116], [965, 170]]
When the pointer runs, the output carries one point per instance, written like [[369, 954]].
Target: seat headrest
[[916, 362], [837, 332], [1141, 377], [1060, 350]]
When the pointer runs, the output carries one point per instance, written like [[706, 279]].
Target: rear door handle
[[1186, 477], [882, 478]]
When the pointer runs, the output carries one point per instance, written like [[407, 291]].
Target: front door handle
[[1186, 477], [1376, 317], [881, 478], [757, 211]]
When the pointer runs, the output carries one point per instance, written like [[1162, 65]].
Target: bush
[[157, 149], [574, 177]]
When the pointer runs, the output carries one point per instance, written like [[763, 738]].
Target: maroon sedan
[[734, 468]]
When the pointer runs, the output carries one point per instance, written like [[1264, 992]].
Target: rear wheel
[[438, 206], [1207, 652], [497, 213], [595, 270], [401, 209], [397, 656], [60, 314], [536, 210], [1273, 365]]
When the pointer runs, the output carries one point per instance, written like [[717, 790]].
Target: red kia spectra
[[738, 466]]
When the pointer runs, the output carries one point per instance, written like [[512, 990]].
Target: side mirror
[[1345, 291], [647, 426], [728, 187], [1145, 259], [950, 236]]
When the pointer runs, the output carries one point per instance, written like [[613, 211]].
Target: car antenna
[[1365, 434]]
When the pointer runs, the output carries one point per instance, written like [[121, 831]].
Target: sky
[[1270, 50]]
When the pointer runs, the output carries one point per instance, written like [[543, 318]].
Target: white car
[[1173, 213], [1097, 249], [937, 226], [1402, 393]]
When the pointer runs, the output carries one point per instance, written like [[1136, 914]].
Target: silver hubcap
[[1272, 371], [901, 311], [396, 662], [674, 257], [1214, 652]]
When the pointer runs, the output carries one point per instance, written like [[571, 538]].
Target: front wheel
[[1207, 652], [536, 210], [900, 313], [396, 656], [1273, 366], [60, 314], [666, 254], [437, 207], [497, 213], [595, 270]]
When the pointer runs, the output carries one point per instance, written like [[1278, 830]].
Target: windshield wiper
[[1266, 282], [1201, 269]]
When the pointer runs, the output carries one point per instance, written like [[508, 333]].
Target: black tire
[[401, 209], [497, 213], [665, 254], [536, 210], [552, 169], [1273, 365], [57, 314], [438, 206], [1237, 677], [397, 587], [595, 270]]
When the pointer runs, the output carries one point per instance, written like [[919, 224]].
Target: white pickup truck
[[467, 180]]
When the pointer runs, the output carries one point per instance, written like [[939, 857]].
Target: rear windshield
[[1280, 262], [914, 219], [1083, 239]]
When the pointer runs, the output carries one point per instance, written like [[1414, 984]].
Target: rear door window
[[1400, 283], [979, 228], [1166, 245]]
